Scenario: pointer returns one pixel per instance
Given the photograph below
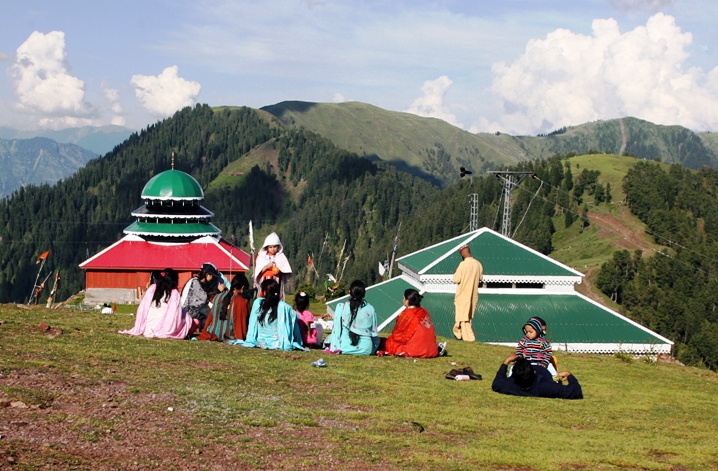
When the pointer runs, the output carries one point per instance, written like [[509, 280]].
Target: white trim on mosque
[[604, 348]]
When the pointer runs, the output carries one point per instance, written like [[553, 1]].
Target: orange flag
[[42, 257]]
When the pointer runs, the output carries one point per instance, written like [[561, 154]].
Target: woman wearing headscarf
[[413, 335], [355, 331], [195, 294], [272, 263], [272, 322], [160, 314], [229, 316]]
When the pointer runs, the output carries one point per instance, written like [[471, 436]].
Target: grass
[[259, 407]]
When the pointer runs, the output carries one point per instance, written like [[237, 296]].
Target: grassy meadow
[[99, 400]]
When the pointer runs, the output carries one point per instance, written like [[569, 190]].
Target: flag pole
[[36, 279], [393, 250]]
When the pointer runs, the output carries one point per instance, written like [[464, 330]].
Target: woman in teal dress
[[272, 322], [355, 331]]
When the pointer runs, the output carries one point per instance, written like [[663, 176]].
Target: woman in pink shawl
[[160, 314], [272, 263]]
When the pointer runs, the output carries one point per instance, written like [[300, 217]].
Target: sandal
[[470, 373]]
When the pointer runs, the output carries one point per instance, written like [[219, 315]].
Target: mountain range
[[97, 139], [434, 149], [38, 161], [428, 148]]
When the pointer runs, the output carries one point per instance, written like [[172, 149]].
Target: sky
[[519, 67]]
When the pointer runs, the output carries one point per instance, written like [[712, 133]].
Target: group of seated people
[[203, 312], [212, 308]]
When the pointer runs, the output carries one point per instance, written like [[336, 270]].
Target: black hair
[[239, 282], [357, 290], [301, 301], [270, 303], [166, 282], [154, 276], [523, 373], [413, 297]]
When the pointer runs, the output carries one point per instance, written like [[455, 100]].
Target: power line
[[693, 267]]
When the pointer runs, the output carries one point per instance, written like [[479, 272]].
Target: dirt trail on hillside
[[623, 237]]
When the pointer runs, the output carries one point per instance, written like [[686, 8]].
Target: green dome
[[173, 185]]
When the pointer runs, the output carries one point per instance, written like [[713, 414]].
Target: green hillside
[[434, 149], [643, 139], [710, 140], [426, 147], [613, 226]]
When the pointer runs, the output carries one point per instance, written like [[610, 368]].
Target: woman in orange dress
[[413, 335], [230, 313]]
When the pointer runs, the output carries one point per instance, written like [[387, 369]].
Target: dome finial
[[173, 160]]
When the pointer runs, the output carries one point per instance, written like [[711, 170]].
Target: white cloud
[[44, 85], [338, 98], [431, 105], [569, 78], [113, 96], [165, 93], [5, 57]]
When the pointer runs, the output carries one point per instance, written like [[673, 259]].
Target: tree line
[[675, 290]]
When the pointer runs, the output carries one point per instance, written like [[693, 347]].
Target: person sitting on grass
[[534, 381], [413, 335], [272, 322], [533, 346], [312, 334], [196, 293], [553, 365], [355, 331], [229, 316], [160, 314]]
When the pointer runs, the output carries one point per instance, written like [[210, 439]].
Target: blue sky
[[522, 67]]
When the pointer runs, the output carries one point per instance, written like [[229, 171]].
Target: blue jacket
[[544, 386]]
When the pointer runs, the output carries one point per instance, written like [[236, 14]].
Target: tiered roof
[[172, 209]]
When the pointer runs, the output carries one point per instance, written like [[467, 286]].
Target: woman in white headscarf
[[272, 263]]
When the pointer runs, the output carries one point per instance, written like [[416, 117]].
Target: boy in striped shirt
[[533, 346]]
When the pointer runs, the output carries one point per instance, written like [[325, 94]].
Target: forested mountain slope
[[88, 211], [37, 161], [345, 212]]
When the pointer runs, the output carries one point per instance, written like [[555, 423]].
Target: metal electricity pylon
[[474, 217], [510, 181]]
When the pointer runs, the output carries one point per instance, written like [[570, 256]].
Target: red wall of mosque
[[125, 279]]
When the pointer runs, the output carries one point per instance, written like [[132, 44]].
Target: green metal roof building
[[518, 283]]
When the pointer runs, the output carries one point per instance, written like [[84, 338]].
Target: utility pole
[[510, 181]]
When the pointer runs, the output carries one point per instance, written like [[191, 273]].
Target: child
[[533, 346], [553, 367], [311, 333], [272, 263]]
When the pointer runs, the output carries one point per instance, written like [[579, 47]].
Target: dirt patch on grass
[[70, 422]]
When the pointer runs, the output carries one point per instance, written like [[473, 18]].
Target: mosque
[[172, 230]]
